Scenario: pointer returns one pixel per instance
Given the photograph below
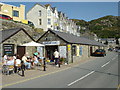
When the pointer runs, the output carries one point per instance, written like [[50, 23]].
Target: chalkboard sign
[[8, 49]]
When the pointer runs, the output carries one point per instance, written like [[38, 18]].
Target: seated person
[[17, 63], [35, 59], [10, 61]]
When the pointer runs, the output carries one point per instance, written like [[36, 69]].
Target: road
[[99, 73]]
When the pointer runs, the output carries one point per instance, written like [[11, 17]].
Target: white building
[[45, 17], [38, 15]]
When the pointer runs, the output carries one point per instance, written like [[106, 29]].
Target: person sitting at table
[[10, 60], [35, 59], [17, 64]]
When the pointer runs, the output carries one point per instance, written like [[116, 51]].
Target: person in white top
[[10, 61], [56, 56], [26, 61]]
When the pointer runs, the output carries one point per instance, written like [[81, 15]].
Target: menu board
[[62, 51], [8, 49]]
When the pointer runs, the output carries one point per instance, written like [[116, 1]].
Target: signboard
[[69, 47], [40, 50], [8, 49], [62, 51], [81, 48], [52, 43]]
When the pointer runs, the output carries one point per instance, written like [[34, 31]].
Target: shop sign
[[8, 49], [81, 50], [69, 47], [52, 43], [40, 50], [62, 51]]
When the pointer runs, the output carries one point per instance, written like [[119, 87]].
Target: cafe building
[[12, 40], [70, 47]]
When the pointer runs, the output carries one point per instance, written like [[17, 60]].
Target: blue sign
[[80, 50]]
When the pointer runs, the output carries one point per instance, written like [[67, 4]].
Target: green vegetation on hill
[[104, 27]]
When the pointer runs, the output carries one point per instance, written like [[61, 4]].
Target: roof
[[6, 34], [70, 38], [35, 5]]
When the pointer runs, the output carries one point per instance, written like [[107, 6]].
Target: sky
[[79, 10]]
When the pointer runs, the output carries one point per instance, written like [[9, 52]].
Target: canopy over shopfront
[[32, 43], [40, 47]]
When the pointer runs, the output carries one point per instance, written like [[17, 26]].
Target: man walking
[[56, 57]]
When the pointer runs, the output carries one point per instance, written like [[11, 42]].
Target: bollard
[[23, 68], [44, 66], [59, 64]]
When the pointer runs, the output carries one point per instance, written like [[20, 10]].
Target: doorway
[[49, 51], [91, 51], [21, 51]]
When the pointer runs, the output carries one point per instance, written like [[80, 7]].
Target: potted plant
[[62, 60]]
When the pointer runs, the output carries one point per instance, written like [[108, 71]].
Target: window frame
[[74, 50], [40, 21], [40, 13], [49, 21], [15, 13]]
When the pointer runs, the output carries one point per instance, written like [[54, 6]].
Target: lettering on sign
[[52, 43]]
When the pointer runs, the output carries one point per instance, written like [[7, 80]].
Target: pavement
[[12, 79], [95, 72]]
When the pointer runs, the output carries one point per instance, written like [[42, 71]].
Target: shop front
[[12, 39], [70, 47]]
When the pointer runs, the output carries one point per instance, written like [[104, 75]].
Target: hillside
[[34, 32], [104, 27]]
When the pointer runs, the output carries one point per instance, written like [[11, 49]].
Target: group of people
[[27, 62], [16, 61]]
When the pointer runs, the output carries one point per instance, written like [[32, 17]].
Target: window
[[40, 13], [74, 50], [40, 21], [49, 13], [49, 21], [16, 13]]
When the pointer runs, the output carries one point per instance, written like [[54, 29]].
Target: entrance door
[[20, 51], [49, 51], [91, 51]]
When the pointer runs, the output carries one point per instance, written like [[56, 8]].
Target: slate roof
[[6, 34], [69, 38]]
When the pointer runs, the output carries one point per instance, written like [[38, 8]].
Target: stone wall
[[18, 39]]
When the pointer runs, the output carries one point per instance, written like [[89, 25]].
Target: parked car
[[100, 52], [5, 17], [110, 49]]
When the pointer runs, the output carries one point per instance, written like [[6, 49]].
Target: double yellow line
[[32, 78]]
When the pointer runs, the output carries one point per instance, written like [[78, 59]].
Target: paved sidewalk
[[32, 74]]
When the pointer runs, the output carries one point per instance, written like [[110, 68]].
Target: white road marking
[[109, 61], [105, 64], [115, 57], [81, 78]]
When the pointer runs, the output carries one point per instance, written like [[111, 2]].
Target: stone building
[[12, 40], [70, 47]]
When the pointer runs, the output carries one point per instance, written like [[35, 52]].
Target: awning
[[32, 44]]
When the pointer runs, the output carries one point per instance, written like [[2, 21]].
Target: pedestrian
[[56, 57], [26, 61]]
